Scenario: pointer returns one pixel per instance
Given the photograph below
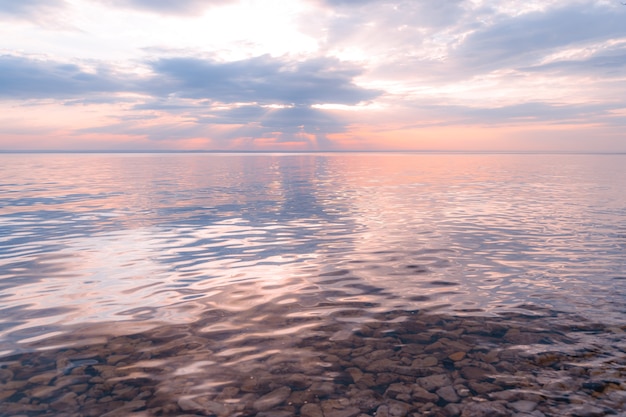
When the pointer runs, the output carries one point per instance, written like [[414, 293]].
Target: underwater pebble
[[272, 399], [382, 370]]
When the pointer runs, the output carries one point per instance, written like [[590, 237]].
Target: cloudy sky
[[313, 74]]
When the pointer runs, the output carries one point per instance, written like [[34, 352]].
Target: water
[[249, 256]]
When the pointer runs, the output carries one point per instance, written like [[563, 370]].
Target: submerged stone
[[432, 382], [448, 394], [272, 399], [311, 410]]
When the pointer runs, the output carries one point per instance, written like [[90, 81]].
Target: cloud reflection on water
[[153, 239]]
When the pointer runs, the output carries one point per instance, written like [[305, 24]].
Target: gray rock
[[484, 387], [323, 388], [474, 373], [382, 411], [272, 399], [452, 410], [433, 382], [66, 402], [5, 375], [448, 394], [275, 413], [298, 381], [355, 373], [523, 406], [421, 395], [39, 379], [126, 409], [561, 385], [213, 407], [396, 389], [311, 410], [398, 408], [345, 412], [618, 396], [587, 410], [484, 409], [187, 404], [366, 400], [426, 362], [462, 390], [381, 365]]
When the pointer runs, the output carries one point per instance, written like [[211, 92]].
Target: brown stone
[[386, 378], [43, 391], [381, 365], [322, 388], [355, 373], [344, 412], [382, 411], [274, 413], [272, 399], [398, 408], [587, 410], [311, 410], [301, 397], [474, 373], [4, 394], [433, 382], [114, 359], [426, 362], [188, 404], [523, 406], [6, 375], [484, 409], [66, 403], [43, 378], [483, 387], [421, 395], [448, 394], [365, 400], [126, 409], [298, 381], [396, 389]]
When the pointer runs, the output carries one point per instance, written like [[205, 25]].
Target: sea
[[314, 284]]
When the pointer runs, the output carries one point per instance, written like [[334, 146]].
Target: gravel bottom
[[397, 364]]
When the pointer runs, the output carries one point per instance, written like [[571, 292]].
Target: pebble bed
[[398, 364]]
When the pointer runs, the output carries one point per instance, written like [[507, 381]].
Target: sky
[[296, 75]]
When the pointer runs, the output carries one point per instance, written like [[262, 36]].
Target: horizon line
[[371, 151]]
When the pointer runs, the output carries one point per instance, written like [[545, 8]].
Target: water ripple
[[140, 241]]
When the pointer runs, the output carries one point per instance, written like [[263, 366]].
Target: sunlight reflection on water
[[159, 281], [155, 239]]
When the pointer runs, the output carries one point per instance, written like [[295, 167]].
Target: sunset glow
[[312, 75]]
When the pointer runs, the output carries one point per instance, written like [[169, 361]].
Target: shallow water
[[255, 255]]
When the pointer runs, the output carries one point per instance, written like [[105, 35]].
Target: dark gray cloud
[[264, 80], [284, 124], [538, 112], [523, 113], [305, 124], [516, 44], [280, 94], [603, 63], [292, 119], [26, 78], [181, 7], [516, 41]]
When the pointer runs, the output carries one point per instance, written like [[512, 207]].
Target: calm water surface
[[262, 249]]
